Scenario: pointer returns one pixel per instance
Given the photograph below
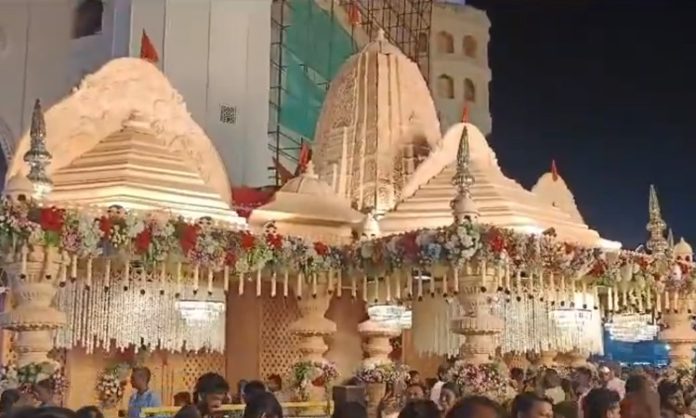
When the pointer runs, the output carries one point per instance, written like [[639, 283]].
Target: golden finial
[[38, 156], [657, 244], [463, 206]]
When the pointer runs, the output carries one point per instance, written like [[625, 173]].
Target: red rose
[[319, 381], [274, 241], [105, 225], [321, 248], [188, 238], [409, 245], [143, 240], [52, 219], [248, 241], [231, 258], [496, 241]]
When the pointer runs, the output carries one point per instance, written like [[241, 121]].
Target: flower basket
[[306, 376], [111, 384], [482, 379], [382, 373]]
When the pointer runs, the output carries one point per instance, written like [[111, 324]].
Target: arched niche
[[469, 90], [445, 43], [470, 46], [445, 86]]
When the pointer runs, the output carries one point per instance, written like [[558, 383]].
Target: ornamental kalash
[[120, 248]]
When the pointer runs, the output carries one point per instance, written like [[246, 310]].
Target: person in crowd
[[388, 406], [349, 410], [609, 380], [441, 379], [238, 397], [90, 411], [449, 393], [569, 390], [531, 405], [43, 392], [252, 389], [601, 403], [475, 407], [583, 385], [415, 391], [263, 405], [143, 396], [420, 408], [552, 386], [182, 399], [414, 376], [275, 386], [8, 401], [211, 390], [672, 403], [517, 379], [641, 400]]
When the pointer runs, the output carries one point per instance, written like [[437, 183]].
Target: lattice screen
[[196, 364], [277, 344]]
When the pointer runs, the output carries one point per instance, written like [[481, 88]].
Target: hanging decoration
[[111, 384], [490, 379], [383, 373], [148, 316]]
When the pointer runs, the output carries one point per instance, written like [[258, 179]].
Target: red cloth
[[353, 13], [554, 170], [147, 49], [246, 199]]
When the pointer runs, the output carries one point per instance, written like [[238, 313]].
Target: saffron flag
[[554, 170], [465, 113], [147, 49], [303, 159], [353, 13]]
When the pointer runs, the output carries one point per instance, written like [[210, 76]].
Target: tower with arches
[[459, 71]]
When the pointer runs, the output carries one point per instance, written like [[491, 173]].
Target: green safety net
[[315, 45]]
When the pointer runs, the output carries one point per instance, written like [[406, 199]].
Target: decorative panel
[[278, 345], [197, 364]]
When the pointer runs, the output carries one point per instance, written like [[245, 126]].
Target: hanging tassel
[[300, 279], [584, 294], [364, 288], [658, 303], [178, 280], [107, 275], [624, 298], [552, 289], [226, 278], [456, 280], [595, 296], [640, 302], [573, 292], [409, 286], [398, 285], [314, 285], [518, 282], [377, 282], [286, 279], [163, 276], [507, 278], [73, 268], [88, 282], [610, 302], [63, 273], [387, 278], [420, 286], [675, 302], [648, 298], [431, 285], [196, 278], [240, 285], [562, 291], [542, 288], [339, 285], [210, 281], [445, 284], [616, 299], [330, 281], [273, 284], [667, 301], [23, 269], [484, 273], [258, 283]]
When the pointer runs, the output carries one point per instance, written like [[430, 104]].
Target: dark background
[[607, 89]]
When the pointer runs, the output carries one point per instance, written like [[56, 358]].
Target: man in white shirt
[[609, 380], [437, 387]]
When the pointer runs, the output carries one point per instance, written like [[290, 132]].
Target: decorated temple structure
[[117, 206]]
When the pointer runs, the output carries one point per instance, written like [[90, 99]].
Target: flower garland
[[153, 238], [23, 378], [111, 384], [383, 373], [484, 379], [318, 374]]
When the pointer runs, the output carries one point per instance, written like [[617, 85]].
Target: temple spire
[[656, 244], [554, 171], [38, 156], [463, 207]]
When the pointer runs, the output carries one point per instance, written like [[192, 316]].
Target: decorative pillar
[[311, 328], [378, 347], [681, 338], [32, 273], [476, 323]]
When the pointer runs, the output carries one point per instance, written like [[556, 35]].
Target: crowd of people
[[584, 392]]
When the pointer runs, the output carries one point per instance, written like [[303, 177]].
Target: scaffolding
[[311, 39]]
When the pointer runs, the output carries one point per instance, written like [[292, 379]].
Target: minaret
[[656, 244], [38, 157], [463, 207]]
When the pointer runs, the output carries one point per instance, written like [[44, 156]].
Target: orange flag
[[147, 49], [303, 160], [353, 13], [554, 170], [465, 113]]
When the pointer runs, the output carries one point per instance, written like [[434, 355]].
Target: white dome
[[683, 250], [18, 186]]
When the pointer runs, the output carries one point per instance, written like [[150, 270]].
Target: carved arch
[[469, 90], [445, 86], [107, 99], [470, 46], [445, 42]]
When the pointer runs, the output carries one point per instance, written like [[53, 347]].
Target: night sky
[[607, 88]]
